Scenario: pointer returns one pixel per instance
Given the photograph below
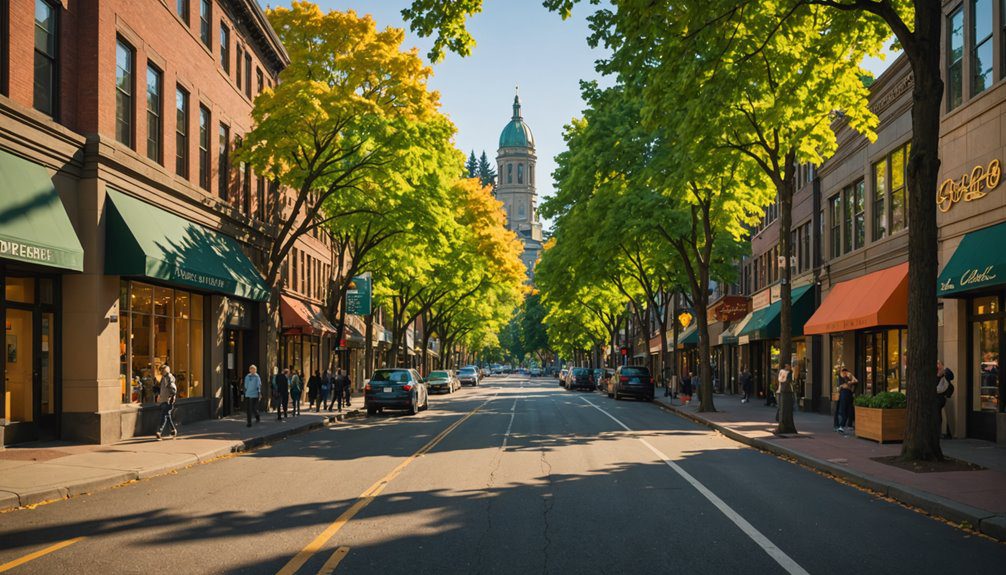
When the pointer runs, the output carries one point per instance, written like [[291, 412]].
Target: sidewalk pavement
[[44, 471], [974, 499]]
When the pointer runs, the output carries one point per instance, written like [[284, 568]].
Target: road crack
[[548, 501]]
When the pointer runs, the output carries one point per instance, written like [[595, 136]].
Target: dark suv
[[631, 380], [581, 378], [396, 389]]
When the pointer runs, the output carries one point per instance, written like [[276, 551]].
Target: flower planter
[[880, 425]]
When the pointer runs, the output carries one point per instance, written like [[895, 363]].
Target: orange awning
[[300, 318], [879, 298]]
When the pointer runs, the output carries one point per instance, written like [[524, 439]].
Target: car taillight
[[366, 387], [407, 387], [623, 379]]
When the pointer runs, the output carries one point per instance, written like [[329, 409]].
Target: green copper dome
[[516, 134]]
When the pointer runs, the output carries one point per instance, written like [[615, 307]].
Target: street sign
[[358, 296]]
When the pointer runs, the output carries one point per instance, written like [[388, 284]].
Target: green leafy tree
[[472, 166]]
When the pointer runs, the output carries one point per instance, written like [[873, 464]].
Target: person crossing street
[[253, 390]]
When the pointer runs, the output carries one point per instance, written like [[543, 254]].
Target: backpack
[[950, 390]]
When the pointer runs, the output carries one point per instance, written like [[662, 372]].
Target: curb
[[10, 501], [985, 522]]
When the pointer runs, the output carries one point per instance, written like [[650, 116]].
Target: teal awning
[[144, 240], [979, 262], [690, 336], [34, 227], [764, 323]]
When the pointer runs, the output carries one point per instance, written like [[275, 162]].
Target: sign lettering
[[970, 187], [25, 251], [974, 276], [199, 278]]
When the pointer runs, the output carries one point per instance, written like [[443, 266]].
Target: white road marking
[[509, 426], [773, 551]]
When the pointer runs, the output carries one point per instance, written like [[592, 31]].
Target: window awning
[[876, 299], [300, 318], [764, 323], [144, 240], [979, 262], [729, 336], [689, 337], [34, 227]]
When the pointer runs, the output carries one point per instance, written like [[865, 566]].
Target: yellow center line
[[39, 553], [329, 567], [366, 498]]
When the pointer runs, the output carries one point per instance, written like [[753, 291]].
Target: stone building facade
[[515, 187]]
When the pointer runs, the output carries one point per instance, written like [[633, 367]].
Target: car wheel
[[610, 395], [371, 411], [617, 396], [426, 404], [412, 408]]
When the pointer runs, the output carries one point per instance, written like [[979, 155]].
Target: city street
[[515, 476]]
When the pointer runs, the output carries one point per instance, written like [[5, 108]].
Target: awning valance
[[764, 323], [979, 262], [730, 335], [144, 240], [689, 337], [876, 299], [301, 318], [34, 227]]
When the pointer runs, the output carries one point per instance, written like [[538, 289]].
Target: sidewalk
[[976, 499], [37, 472]]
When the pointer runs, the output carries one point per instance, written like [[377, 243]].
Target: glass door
[[983, 387], [19, 364], [48, 422], [234, 363]]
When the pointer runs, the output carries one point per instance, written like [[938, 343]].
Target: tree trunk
[[368, 349], [922, 434], [700, 300], [785, 188]]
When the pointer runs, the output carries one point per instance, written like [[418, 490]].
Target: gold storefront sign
[[970, 187]]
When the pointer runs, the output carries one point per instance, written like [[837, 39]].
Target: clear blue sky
[[518, 43]]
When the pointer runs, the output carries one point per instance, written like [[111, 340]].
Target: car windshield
[[635, 371], [467, 371], [581, 371], [438, 375], [391, 376]]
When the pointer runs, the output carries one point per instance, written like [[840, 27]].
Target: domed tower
[[515, 162]]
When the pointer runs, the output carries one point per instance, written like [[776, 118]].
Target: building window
[[805, 261], [124, 92], [181, 132], [981, 52], [879, 200], [955, 59], [204, 147], [4, 46], [182, 9], [509, 173], [46, 54], [295, 276], [835, 214], [225, 48], [205, 17], [858, 192], [159, 326], [223, 168], [154, 126], [260, 197], [520, 174], [259, 80], [238, 76], [248, 70], [246, 190], [898, 168]]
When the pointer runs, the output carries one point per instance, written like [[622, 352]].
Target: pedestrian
[[697, 389], [282, 394], [686, 389], [296, 392], [333, 388], [253, 389], [746, 385], [784, 379], [347, 388], [323, 386], [944, 390], [846, 386], [341, 384], [312, 393], [166, 396]]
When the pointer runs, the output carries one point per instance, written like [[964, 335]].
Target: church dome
[[516, 134]]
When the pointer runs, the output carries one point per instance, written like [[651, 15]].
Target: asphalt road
[[515, 476]]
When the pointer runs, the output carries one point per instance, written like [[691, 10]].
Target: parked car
[[631, 380], [535, 372], [468, 376], [602, 375], [562, 376], [581, 378], [396, 389], [443, 380]]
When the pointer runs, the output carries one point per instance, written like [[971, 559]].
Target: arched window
[[520, 173], [520, 205], [509, 173], [530, 174]]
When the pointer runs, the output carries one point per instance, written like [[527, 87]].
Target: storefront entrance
[[983, 381], [30, 392], [234, 361]]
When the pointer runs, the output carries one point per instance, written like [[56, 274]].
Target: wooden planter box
[[881, 425]]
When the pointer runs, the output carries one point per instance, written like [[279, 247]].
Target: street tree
[[471, 166], [486, 172]]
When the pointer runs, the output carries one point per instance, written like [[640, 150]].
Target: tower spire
[[516, 103]]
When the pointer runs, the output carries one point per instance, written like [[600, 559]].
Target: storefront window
[[985, 356], [159, 326], [20, 290], [837, 360], [893, 371]]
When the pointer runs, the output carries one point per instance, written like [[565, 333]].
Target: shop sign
[[761, 299], [24, 251], [238, 314], [969, 187], [200, 278], [971, 277], [358, 296], [730, 308]]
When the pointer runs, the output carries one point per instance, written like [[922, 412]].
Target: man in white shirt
[[253, 389]]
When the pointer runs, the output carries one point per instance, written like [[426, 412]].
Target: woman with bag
[[944, 389], [296, 391]]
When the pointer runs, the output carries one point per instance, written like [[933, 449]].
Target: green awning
[[144, 240], [978, 263], [34, 227], [764, 323], [690, 336]]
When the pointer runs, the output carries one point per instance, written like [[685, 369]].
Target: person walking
[[686, 389], [341, 383], [166, 396], [347, 388], [846, 385], [746, 385], [783, 380], [282, 394], [312, 393], [323, 385], [944, 389], [296, 392], [253, 390]]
